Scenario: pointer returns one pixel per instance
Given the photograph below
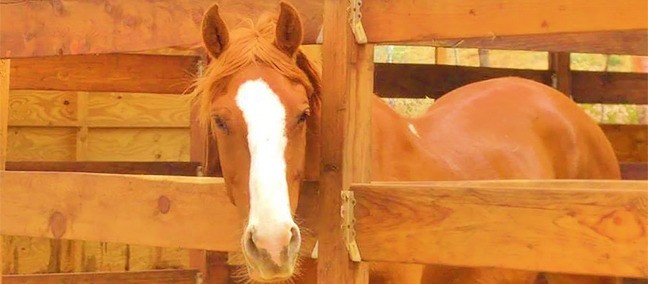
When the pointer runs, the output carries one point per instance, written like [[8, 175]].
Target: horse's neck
[[397, 153]]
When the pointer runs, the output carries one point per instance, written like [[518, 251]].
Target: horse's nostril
[[250, 244], [295, 238]]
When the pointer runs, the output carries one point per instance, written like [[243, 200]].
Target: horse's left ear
[[289, 29]]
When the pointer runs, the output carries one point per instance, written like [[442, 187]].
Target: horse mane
[[252, 43]]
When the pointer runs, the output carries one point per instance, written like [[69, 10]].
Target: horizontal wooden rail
[[587, 227], [105, 73], [425, 20], [431, 80], [122, 27], [133, 209], [179, 276], [146, 168]]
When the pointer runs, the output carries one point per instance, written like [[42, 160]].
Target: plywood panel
[[142, 110], [41, 144], [47, 108], [146, 144], [147, 258], [93, 256]]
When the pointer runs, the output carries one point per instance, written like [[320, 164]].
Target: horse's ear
[[214, 32], [289, 29]]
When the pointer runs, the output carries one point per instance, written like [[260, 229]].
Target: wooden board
[[421, 80], [634, 171], [180, 276], [138, 144], [137, 110], [73, 27], [145, 210], [146, 168], [105, 73], [43, 108], [41, 144], [587, 227], [631, 42], [424, 20], [134, 209], [630, 142]]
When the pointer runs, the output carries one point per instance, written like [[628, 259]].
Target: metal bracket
[[348, 224], [355, 21]]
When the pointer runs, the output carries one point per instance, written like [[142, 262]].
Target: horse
[[261, 97]]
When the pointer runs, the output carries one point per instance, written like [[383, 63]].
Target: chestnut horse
[[261, 97]]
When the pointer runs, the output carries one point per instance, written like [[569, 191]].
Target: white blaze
[[265, 117]]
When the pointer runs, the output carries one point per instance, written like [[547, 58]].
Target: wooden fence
[[141, 209]]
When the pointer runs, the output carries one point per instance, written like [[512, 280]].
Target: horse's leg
[[459, 275], [394, 273], [553, 278]]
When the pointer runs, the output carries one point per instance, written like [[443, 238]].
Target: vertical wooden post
[[345, 138], [4, 122], [559, 63]]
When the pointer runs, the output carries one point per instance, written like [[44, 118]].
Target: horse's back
[[516, 128]]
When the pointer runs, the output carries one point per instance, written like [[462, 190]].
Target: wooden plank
[[402, 21], [630, 42], [46, 108], [83, 106], [630, 142], [74, 27], [4, 111], [144, 210], [421, 80], [135, 168], [345, 107], [581, 227], [181, 276], [634, 171], [138, 110], [138, 144], [105, 73], [560, 66], [610, 87], [41, 144]]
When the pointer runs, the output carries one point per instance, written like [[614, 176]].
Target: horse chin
[[262, 272]]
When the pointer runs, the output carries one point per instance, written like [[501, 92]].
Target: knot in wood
[[164, 204], [331, 168], [57, 223]]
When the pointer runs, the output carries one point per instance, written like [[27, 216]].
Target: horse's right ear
[[214, 32]]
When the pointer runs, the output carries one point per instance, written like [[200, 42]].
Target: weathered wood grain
[[74, 27], [143, 210], [137, 110], [585, 227], [42, 108], [340, 97], [630, 42], [180, 276], [138, 144], [418, 20], [105, 73], [41, 144], [146, 210], [427, 80], [630, 142], [4, 111], [144, 168]]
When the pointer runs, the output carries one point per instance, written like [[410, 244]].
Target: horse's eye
[[303, 116], [220, 123]]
